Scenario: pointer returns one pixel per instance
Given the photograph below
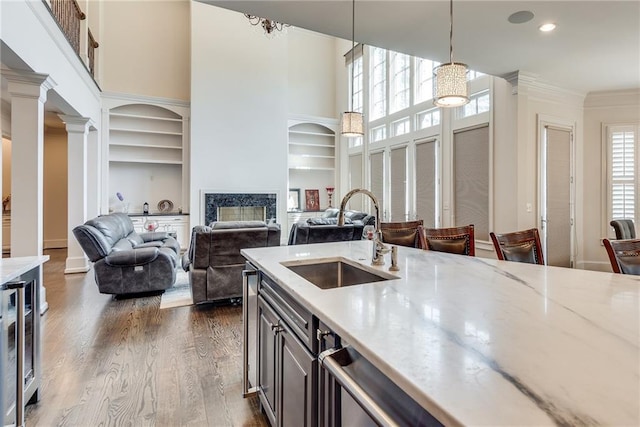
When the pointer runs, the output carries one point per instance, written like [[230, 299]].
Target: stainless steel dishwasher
[[353, 392], [250, 330]]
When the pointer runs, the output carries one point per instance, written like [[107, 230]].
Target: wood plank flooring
[[126, 362]]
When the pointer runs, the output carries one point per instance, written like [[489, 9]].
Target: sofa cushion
[[113, 227], [122, 245], [326, 221], [354, 215], [237, 224]]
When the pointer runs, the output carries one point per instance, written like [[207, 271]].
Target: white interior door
[[557, 196]]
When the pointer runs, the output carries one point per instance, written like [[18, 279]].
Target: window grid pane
[[400, 127], [424, 79], [428, 118], [400, 82], [478, 103], [378, 83], [358, 90], [379, 133]]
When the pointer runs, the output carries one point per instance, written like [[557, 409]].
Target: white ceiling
[[596, 46]]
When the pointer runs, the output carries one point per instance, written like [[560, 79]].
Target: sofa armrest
[[152, 244], [153, 236], [132, 258]]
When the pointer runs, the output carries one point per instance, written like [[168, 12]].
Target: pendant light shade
[[451, 78], [352, 124], [352, 121], [451, 85]]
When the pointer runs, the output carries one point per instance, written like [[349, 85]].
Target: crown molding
[[613, 99], [116, 99], [537, 88], [330, 122]]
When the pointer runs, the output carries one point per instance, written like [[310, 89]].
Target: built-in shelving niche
[[147, 157], [312, 159]]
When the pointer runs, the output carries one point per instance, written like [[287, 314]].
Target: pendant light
[[352, 121], [451, 78]]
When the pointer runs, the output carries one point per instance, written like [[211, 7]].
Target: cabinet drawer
[[302, 322]]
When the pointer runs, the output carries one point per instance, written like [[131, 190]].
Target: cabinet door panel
[[267, 359], [298, 382]]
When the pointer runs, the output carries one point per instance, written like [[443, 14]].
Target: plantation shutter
[[399, 184], [426, 183], [377, 179], [471, 163], [623, 164], [355, 180]]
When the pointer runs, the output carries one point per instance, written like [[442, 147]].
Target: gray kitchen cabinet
[[297, 382], [287, 368], [267, 360]]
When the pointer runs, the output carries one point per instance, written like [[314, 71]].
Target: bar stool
[[624, 255], [408, 233], [455, 240], [519, 246]]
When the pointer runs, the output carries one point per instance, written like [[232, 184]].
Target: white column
[[77, 186], [94, 169], [28, 94]]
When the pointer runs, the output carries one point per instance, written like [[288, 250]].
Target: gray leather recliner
[[127, 262], [214, 261]]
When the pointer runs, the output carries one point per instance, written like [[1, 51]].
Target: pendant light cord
[[353, 53], [451, 31]]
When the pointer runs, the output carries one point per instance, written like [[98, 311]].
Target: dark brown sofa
[[325, 228], [214, 261]]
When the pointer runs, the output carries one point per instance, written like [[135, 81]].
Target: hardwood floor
[[126, 362]]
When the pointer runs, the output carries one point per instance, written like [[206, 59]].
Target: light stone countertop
[[480, 341], [12, 268]]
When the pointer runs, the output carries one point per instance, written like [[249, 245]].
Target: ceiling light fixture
[[451, 78], [545, 28], [268, 25], [352, 121]]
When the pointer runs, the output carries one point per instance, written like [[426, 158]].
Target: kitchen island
[[481, 341]]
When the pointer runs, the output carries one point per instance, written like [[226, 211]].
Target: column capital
[[28, 84], [76, 124]]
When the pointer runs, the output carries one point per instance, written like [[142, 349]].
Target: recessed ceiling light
[[520, 17], [545, 28]]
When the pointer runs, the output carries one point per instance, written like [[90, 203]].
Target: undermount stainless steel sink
[[335, 273]]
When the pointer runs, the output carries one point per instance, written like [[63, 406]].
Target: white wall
[[244, 88], [312, 76], [55, 188], [145, 48], [601, 109], [6, 169], [239, 108]]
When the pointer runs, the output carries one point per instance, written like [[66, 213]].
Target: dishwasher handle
[[329, 360], [246, 390]]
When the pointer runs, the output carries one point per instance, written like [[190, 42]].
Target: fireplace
[[239, 206]]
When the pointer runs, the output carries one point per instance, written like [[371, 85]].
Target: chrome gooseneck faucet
[[379, 249]]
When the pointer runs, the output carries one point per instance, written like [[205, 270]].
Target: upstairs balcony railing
[[69, 17], [91, 52]]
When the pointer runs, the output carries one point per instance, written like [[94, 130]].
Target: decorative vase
[[150, 225], [330, 191]]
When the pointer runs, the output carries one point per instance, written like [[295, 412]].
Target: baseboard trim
[[76, 265], [55, 243], [594, 265]]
